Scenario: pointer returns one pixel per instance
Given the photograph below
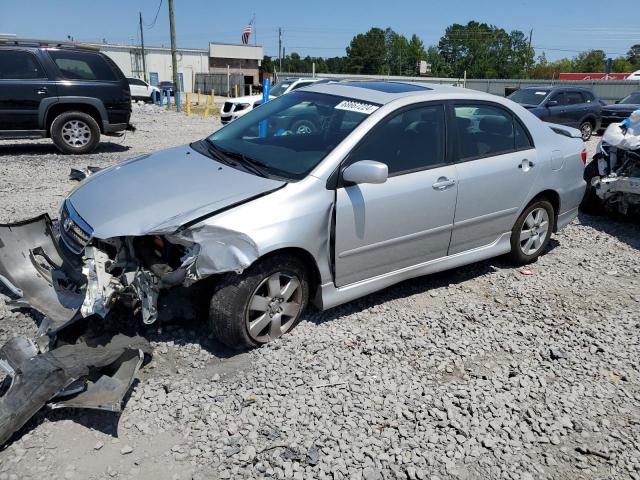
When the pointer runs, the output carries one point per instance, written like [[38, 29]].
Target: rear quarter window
[[82, 65]]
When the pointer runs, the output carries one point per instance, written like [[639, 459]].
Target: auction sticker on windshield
[[359, 107]]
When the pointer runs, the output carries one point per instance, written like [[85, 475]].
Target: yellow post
[[212, 94], [199, 103], [235, 90], [188, 104]]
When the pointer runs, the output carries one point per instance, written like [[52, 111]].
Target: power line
[[154, 18]]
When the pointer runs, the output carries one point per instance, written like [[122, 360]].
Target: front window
[[529, 97], [633, 99], [290, 135], [279, 88]]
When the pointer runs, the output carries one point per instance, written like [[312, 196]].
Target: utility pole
[[280, 48], [530, 37], [144, 63], [174, 61]]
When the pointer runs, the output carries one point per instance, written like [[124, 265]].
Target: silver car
[[390, 181]]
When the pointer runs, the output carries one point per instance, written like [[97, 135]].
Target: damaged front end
[[63, 271], [617, 180]]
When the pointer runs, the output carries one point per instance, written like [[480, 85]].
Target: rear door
[[408, 219], [24, 84], [496, 165], [576, 108]]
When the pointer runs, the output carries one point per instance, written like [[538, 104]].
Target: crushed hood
[[158, 193]]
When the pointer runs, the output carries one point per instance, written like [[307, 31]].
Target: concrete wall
[[607, 90]]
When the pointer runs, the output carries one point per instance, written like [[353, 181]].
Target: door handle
[[526, 165], [42, 91], [443, 183]]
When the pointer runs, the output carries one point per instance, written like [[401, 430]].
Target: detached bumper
[[39, 272]]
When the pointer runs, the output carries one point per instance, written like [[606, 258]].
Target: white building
[[158, 62]]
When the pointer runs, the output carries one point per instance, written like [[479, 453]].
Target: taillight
[[584, 156]]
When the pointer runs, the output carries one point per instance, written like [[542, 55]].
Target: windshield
[[287, 137], [529, 96], [633, 99], [279, 88]]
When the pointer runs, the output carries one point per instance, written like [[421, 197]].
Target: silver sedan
[[324, 195]]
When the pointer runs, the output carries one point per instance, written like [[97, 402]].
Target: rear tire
[[586, 130], [591, 204], [75, 132], [251, 309], [532, 232]]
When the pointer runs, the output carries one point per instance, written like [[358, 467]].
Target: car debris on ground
[[91, 373]]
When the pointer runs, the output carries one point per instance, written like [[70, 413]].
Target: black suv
[[575, 107], [60, 90]]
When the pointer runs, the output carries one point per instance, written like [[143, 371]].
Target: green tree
[[367, 52], [439, 66], [590, 61], [633, 55], [485, 51]]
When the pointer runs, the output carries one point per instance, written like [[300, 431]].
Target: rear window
[[82, 65]]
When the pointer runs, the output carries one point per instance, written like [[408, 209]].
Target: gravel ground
[[485, 371]]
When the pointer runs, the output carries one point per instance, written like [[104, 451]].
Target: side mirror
[[552, 103], [366, 171], [617, 101]]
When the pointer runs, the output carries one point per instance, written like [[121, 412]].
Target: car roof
[[382, 92]]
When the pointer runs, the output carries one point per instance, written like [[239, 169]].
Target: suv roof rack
[[33, 42]]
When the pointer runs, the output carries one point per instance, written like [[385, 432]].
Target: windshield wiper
[[250, 163], [247, 162], [218, 153]]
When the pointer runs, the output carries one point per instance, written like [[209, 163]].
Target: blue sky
[[324, 27]]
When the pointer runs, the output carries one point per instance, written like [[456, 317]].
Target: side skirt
[[331, 296]]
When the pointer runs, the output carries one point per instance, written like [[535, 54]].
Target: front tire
[[591, 204], [261, 304], [532, 232], [75, 132]]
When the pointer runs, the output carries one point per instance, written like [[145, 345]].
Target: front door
[[557, 113], [408, 219], [23, 86], [497, 167]]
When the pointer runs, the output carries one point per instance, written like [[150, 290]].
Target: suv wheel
[[586, 130], [261, 304], [75, 132], [531, 233]]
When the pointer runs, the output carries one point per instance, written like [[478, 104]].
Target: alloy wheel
[[274, 307], [76, 133], [586, 130], [534, 231]]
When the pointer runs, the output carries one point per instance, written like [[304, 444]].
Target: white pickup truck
[[236, 107]]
